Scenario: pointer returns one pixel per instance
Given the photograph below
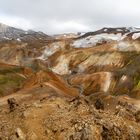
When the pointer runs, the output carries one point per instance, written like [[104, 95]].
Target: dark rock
[[12, 104], [71, 137], [137, 116], [99, 104]]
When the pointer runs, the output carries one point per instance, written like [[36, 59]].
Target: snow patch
[[105, 30], [133, 29], [119, 30], [81, 33], [7, 38], [135, 36], [18, 39], [93, 40]]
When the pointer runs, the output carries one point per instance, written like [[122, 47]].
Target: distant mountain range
[[122, 30], [11, 33]]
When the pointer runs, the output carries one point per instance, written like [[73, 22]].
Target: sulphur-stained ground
[[53, 117], [70, 87]]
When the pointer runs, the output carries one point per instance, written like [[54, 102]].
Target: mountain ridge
[[9, 33]]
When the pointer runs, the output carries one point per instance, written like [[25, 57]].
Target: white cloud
[[69, 26], [16, 22], [53, 16]]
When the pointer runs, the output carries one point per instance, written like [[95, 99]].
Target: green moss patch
[[9, 83]]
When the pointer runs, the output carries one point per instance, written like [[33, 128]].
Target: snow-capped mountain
[[106, 35]]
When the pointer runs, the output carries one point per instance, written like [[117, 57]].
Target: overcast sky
[[59, 16]]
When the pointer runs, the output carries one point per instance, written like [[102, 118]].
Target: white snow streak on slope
[[135, 36], [18, 39], [133, 29], [93, 40], [119, 30]]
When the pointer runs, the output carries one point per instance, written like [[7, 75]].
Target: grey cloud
[[57, 16]]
